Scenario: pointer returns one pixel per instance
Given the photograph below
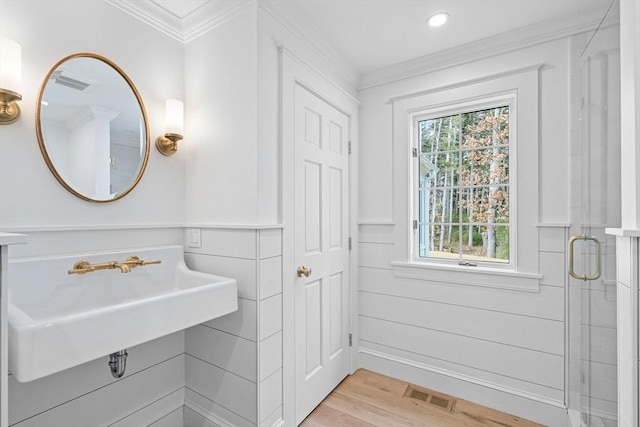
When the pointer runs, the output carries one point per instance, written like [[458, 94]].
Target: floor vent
[[431, 398]]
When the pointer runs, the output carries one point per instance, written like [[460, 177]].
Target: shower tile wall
[[234, 363]]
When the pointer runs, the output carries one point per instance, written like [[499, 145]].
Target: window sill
[[470, 276]]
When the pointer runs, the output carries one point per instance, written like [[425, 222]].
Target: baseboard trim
[[154, 411], [466, 378], [217, 420], [518, 402], [207, 415]]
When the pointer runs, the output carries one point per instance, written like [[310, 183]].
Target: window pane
[[484, 204], [485, 166], [439, 205], [447, 167], [490, 243], [463, 186], [485, 128], [441, 134], [439, 241]]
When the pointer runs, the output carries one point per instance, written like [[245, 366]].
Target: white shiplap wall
[[628, 251], [87, 395], [234, 363], [500, 347]]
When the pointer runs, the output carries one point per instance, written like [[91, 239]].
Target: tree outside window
[[463, 186]]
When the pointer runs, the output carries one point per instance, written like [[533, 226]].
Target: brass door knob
[[303, 271]]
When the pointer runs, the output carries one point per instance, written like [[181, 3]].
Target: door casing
[[294, 71]]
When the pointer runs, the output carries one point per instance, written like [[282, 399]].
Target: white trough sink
[[58, 320]]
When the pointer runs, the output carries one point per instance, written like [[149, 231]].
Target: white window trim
[[521, 86]]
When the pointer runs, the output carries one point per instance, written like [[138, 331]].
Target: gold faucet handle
[[137, 261], [81, 267]]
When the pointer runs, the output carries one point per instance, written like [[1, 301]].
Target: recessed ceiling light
[[438, 19]]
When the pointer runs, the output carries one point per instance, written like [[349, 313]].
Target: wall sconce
[[167, 144], [10, 77]]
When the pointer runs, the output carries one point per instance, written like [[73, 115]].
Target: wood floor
[[367, 399]]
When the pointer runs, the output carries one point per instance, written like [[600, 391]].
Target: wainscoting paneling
[[270, 395], [60, 390], [242, 323], [193, 419], [108, 405], [541, 368], [148, 415], [547, 304], [234, 393], [243, 270], [227, 351], [270, 355], [504, 348], [504, 328], [234, 363], [174, 419]]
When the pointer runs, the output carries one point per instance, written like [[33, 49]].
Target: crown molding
[[296, 23], [215, 13], [480, 49], [152, 14], [212, 15], [205, 18]]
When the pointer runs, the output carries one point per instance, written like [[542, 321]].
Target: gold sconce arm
[[82, 267], [167, 144], [9, 107]]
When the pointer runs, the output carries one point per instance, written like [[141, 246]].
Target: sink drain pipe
[[118, 363]]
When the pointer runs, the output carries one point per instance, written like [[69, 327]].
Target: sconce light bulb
[[174, 117]]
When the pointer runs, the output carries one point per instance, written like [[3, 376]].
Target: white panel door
[[321, 250]]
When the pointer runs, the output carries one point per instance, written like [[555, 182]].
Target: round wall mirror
[[92, 127]]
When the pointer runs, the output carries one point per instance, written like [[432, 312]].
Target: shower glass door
[[595, 205]]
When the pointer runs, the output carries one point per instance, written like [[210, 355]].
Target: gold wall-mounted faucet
[[82, 266]]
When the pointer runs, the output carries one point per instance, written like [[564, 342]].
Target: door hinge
[[414, 152], [349, 147], [415, 224], [349, 243], [350, 340]]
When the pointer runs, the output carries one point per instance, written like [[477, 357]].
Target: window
[[455, 182], [462, 186]]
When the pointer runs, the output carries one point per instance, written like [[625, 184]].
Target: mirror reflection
[[92, 128]]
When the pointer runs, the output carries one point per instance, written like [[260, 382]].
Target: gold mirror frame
[[41, 142]]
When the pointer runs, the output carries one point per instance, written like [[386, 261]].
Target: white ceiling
[[374, 34]]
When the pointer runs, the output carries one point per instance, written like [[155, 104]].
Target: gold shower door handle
[[303, 271], [598, 272]]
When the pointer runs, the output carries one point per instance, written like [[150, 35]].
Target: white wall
[[630, 126], [30, 196], [221, 130], [56, 222], [503, 348], [234, 364], [628, 240]]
